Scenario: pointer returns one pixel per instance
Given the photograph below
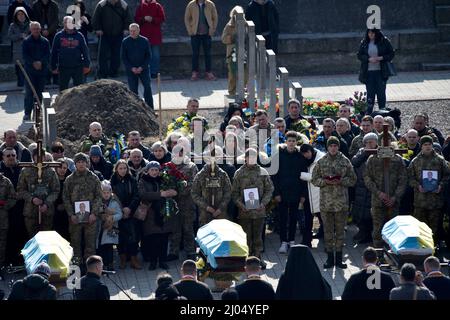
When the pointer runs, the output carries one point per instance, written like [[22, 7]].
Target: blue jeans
[[109, 56], [133, 84], [196, 42], [38, 82], [375, 86], [154, 62]]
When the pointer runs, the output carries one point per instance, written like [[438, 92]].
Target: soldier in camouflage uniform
[[211, 193], [38, 197], [384, 206], [82, 185], [251, 175], [97, 137], [357, 142], [334, 174], [428, 205], [184, 221], [7, 201]]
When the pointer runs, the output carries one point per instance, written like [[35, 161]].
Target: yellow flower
[[186, 123], [179, 119]]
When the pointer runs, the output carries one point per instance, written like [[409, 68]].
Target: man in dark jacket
[[46, 13], [289, 189], [135, 141], [370, 283], [136, 58], [10, 138], [70, 55], [36, 55], [294, 109], [110, 22], [189, 286], [34, 286], [329, 129], [91, 286], [409, 288], [435, 280], [264, 15], [254, 288], [99, 163]]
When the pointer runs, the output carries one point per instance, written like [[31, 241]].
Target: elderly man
[[294, 109], [10, 140], [96, 136], [135, 142], [334, 175], [136, 57], [110, 21], [344, 112], [385, 203], [262, 130], [329, 129], [357, 142], [70, 55], [428, 204], [420, 124], [136, 162], [378, 122], [36, 57]]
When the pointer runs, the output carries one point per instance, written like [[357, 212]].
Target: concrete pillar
[[240, 27], [261, 69], [46, 99], [284, 93], [296, 93], [51, 117], [272, 83], [251, 64]]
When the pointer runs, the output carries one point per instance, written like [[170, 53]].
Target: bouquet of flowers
[[403, 144], [174, 179], [182, 124], [322, 108], [358, 101]]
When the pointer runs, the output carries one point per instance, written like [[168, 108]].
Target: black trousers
[[375, 86], [288, 220], [106, 252], [157, 247], [308, 218], [65, 74]]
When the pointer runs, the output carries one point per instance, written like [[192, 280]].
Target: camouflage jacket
[[202, 194], [252, 177], [334, 198], [28, 188], [190, 170], [8, 200], [104, 143], [357, 143], [435, 162], [374, 179], [82, 187]]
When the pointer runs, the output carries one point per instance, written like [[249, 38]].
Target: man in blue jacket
[[36, 55], [136, 58], [70, 56]]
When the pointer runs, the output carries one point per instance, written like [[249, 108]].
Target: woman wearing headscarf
[[18, 30], [302, 279]]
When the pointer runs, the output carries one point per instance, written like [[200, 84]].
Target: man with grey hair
[[135, 141], [70, 55], [96, 136], [136, 59], [136, 162], [345, 112], [329, 129], [378, 122], [435, 280]]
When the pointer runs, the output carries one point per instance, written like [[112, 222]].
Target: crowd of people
[[152, 200]]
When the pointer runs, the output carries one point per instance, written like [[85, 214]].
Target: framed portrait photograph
[[430, 182], [82, 211], [251, 198]]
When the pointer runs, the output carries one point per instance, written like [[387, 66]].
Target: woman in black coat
[[375, 51], [124, 186]]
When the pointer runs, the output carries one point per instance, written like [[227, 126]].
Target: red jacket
[[150, 30]]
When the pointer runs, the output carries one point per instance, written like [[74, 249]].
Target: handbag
[[391, 69], [141, 212]]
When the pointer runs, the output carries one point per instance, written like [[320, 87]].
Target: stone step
[[442, 14], [435, 66]]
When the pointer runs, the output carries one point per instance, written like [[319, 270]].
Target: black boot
[[339, 262], [330, 261]]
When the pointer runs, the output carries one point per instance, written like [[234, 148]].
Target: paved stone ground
[[406, 86], [141, 284]]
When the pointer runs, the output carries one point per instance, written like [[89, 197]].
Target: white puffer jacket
[[314, 192]]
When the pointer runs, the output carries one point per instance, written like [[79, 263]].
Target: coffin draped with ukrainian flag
[[50, 247], [408, 236], [222, 240]]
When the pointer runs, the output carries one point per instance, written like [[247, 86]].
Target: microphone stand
[[118, 286]]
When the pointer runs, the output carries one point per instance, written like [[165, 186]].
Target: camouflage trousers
[[76, 234], [3, 235], [183, 228], [32, 223], [333, 228], [380, 216], [206, 217], [254, 229], [429, 216]]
